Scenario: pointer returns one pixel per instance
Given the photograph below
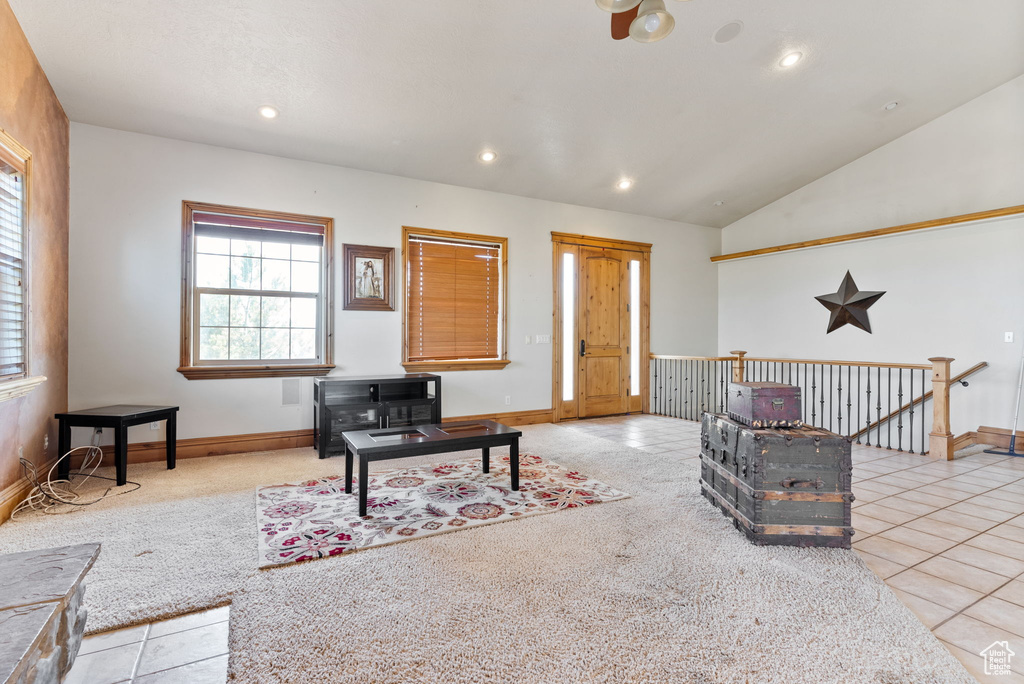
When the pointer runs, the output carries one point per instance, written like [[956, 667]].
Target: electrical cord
[[62, 496]]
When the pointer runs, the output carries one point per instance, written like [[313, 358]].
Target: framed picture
[[369, 276]]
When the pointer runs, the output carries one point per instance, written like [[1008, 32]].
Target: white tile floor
[[191, 649], [947, 537]]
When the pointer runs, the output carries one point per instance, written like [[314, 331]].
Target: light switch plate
[[1008, 337], [543, 339]]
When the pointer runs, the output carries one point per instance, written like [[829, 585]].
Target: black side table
[[119, 417]]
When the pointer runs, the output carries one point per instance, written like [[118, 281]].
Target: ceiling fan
[[645, 21]]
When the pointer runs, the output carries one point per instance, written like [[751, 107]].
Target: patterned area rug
[[316, 519]]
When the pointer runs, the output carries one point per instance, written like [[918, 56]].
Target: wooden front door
[[603, 323]]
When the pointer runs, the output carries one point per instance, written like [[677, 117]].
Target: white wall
[[126, 194], [950, 292]]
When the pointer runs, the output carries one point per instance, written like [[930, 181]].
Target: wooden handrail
[[814, 362], [862, 364], [920, 400], [809, 361], [879, 232], [692, 358]]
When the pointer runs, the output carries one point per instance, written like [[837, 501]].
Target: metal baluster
[[727, 375], [911, 426], [839, 390], [849, 403], [721, 389], [821, 396], [899, 424], [680, 393], [693, 381], [813, 406], [684, 389], [653, 385], [888, 421], [656, 369], [878, 398], [711, 384], [923, 414], [803, 392], [867, 420], [655, 378], [830, 367]]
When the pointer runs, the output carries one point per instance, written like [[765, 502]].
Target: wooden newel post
[[737, 365], [940, 438]]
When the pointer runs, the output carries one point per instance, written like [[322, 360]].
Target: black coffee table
[[387, 443], [120, 418]]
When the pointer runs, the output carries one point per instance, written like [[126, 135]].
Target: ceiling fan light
[[652, 23], [616, 6]]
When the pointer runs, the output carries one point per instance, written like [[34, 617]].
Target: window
[[256, 298], [15, 166], [455, 294]]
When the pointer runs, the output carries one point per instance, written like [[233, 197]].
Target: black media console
[[343, 403]]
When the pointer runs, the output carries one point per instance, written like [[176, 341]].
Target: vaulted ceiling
[[418, 88]]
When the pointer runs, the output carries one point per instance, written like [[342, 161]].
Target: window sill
[[19, 387], [229, 372], [487, 364]]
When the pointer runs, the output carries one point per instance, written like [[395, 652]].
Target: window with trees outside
[[256, 293], [455, 300], [13, 305]]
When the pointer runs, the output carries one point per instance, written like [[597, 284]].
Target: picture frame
[[369, 278]]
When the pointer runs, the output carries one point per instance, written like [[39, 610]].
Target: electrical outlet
[[1008, 337], [508, 401], [528, 341], [155, 425], [46, 442], [21, 449]]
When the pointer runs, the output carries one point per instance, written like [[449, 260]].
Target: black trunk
[[780, 486]]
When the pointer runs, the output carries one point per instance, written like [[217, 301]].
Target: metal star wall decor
[[849, 305]]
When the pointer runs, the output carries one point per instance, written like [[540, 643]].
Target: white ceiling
[[418, 87]]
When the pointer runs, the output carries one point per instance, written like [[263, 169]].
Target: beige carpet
[[656, 588]]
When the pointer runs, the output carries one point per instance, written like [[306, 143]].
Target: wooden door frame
[[561, 243]]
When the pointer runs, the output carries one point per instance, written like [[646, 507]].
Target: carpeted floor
[[655, 588]]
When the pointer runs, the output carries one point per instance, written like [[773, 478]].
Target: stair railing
[[874, 403]]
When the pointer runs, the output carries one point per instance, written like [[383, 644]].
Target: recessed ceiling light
[[719, 203], [891, 106], [791, 59], [728, 32], [624, 184], [268, 112], [487, 156]]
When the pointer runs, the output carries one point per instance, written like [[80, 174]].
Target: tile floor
[[191, 649], [946, 536]]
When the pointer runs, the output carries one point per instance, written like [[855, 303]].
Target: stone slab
[[42, 619], [32, 577]]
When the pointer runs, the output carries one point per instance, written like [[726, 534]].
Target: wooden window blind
[[13, 306], [454, 299]]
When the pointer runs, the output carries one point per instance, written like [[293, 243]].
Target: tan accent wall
[[30, 113]]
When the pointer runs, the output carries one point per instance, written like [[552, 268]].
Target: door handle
[[583, 347]]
